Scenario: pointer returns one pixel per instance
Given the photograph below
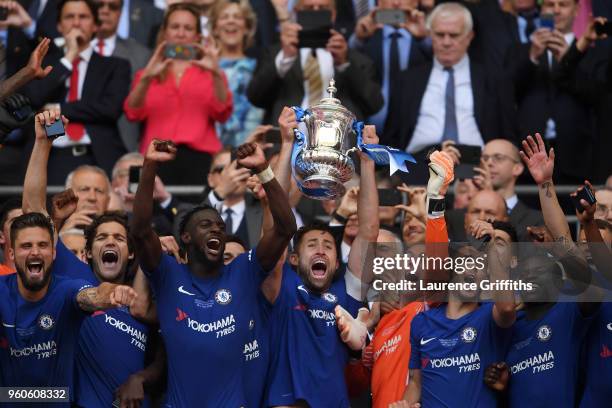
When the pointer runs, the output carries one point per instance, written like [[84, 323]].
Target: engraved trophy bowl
[[323, 164]]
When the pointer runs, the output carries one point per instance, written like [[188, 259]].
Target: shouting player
[[204, 308]]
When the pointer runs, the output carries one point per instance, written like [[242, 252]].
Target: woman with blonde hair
[[232, 24]]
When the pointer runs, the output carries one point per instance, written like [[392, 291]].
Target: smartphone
[[316, 26], [134, 178], [3, 13], [164, 146], [392, 17], [55, 130], [181, 52], [470, 158], [547, 21], [389, 197], [584, 193], [603, 28], [479, 244], [273, 136]]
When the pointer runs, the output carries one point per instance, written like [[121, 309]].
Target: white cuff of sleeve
[[266, 175], [283, 65], [353, 286], [66, 63], [214, 201]]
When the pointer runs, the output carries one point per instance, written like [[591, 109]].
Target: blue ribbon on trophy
[[321, 163]]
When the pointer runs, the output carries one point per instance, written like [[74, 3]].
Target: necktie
[[229, 223], [312, 75], [394, 77], [74, 130], [450, 119], [362, 7], [101, 46]]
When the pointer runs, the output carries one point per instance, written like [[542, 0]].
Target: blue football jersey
[[103, 336], [38, 339], [309, 357], [205, 325], [453, 354], [543, 357], [598, 360]]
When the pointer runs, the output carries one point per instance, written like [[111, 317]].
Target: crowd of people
[[255, 295]]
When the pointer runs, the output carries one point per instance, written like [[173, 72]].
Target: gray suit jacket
[[137, 55], [145, 20]]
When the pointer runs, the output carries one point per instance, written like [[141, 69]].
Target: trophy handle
[[300, 116]]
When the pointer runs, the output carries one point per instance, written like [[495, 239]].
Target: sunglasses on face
[[111, 5]]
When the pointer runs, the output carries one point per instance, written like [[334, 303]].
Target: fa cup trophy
[[321, 162]]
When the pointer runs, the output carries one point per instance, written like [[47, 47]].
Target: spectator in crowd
[[74, 240], [503, 166], [392, 49], [604, 204], [87, 88], [92, 187], [182, 99], [107, 43], [485, 205], [609, 183], [11, 209], [287, 75], [453, 98], [233, 26], [241, 212], [551, 94], [140, 20], [27, 22], [166, 207], [463, 192], [233, 247]]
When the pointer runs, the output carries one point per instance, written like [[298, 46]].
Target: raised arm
[[274, 241], [105, 296], [35, 184], [146, 241], [282, 170], [367, 213], [541, 166], [33, 70]]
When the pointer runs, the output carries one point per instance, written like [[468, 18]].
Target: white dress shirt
[[430, 123], [326, 68], [511, 202], [109, 45], [65, 141], [237, 214]]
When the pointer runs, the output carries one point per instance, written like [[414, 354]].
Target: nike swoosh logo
[[8, 325], [424, 342], [609, 326], [301, 287], [183, 291]]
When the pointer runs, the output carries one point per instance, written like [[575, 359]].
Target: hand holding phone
[[547, 20], [584, 192], [55, 130], [602, 28], [164, 145], [185, 52], [392, 17]]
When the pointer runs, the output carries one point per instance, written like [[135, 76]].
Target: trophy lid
[[331, 103]]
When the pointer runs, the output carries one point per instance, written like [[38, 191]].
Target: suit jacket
[[562, 94], [357, 88], [145, 21], [266, 33], [19, 46], [105, 87], [137, 55], [520, 217], [493, 108]]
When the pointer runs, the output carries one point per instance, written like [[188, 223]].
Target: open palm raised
[[540, 164]]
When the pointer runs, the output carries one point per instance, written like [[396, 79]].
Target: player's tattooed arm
[[105, 296]]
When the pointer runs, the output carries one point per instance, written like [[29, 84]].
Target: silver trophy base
[[332, 186]]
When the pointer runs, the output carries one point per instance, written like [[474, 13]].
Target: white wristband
[[266, 175]]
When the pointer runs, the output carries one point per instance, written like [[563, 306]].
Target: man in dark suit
[[141, 21], [89, 90], [453, 98], [392, 49], [107, 43], [27, 23], [551, 95], [287, 75]]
